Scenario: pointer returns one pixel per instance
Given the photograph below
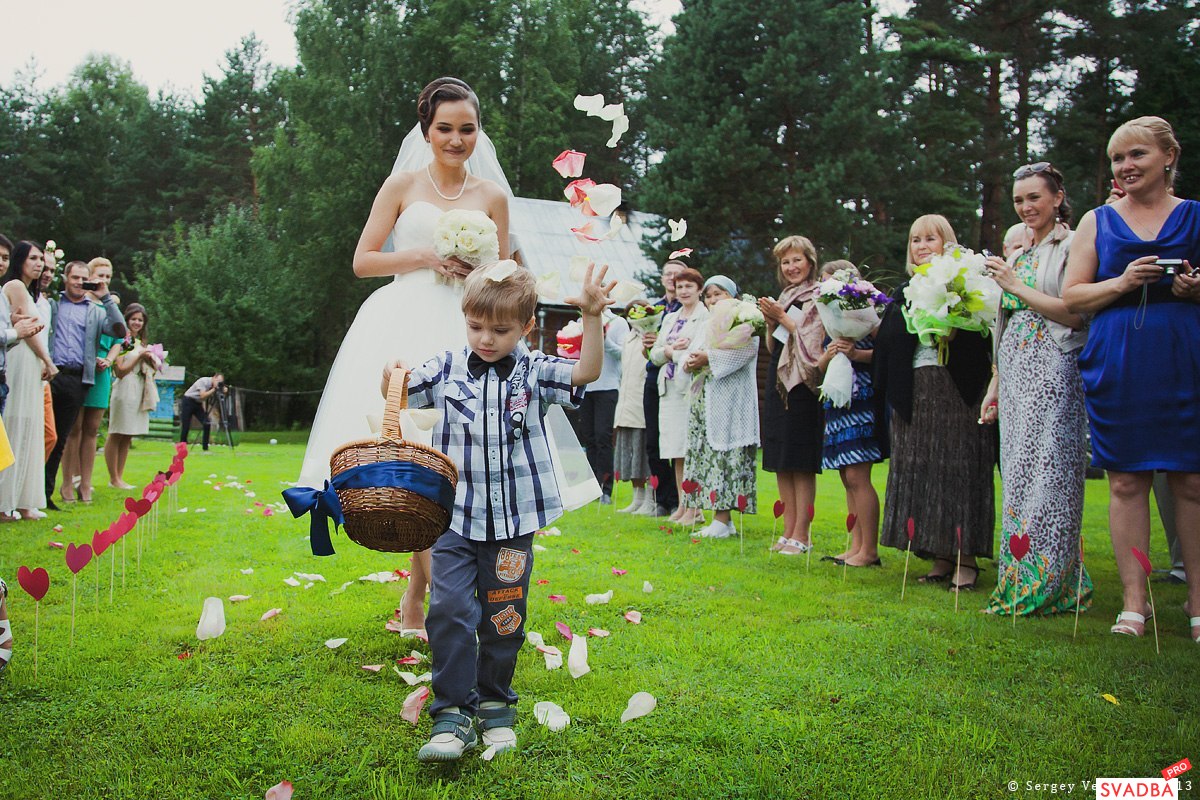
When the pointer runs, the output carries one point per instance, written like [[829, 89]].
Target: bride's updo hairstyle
[[443, 90]]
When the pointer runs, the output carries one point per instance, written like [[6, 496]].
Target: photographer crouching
[[193, 405]]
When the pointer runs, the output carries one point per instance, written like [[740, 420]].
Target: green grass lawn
[[773, 679]]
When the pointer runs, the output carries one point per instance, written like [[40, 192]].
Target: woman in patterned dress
[[722, 449], [1037, 395], [852, 444]]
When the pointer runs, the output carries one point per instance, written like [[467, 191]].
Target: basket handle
[[397, 401]]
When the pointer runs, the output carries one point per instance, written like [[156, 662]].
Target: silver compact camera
[[1171, 266]]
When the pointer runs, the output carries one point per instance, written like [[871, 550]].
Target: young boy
[[493, 394]]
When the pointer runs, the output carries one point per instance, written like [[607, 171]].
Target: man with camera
[[76, 324], [192, 405]]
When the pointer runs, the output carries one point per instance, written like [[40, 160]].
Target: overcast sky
[[169, 43]]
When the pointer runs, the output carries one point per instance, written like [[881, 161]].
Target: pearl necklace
[[461, 189]]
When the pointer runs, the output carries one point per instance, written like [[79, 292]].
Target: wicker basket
[[385, 518]]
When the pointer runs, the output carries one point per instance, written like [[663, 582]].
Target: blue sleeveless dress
[[1141, 363]]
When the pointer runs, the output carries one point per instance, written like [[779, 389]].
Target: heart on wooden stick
[[35, 582], [1019, 546], [78, 557]]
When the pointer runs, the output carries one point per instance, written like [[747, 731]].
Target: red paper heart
[[690, 486], [742, 502], [78, 557], [779, 506], [139, 508], [812, 512], [712, 497], [124, 524], [958, 535], [101, 540], [653, 481], [851, 521], [35, 582], [153, 492], [1143, 560], [616, 476], [173, 477], [181, 448], [911, 528], [1019, 546]]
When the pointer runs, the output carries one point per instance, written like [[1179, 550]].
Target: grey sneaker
[[606, 499], [495, 722], [453, 735]]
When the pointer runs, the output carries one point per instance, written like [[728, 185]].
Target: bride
[[446, 162]]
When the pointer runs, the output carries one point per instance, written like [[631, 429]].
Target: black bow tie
[[477, 366]]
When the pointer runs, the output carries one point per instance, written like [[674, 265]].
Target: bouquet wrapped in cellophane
[[951, 291], [645, 319], [849, 308]]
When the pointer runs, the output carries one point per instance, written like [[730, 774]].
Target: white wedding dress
[[416, 316]]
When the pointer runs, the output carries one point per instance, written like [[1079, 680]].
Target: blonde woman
[[793, 431], [133, 396]]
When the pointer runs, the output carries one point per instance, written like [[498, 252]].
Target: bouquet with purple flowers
[[849, 307]]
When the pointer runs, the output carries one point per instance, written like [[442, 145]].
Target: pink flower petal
[[274, 612], [408, 661], [541, 582], [569, 163], [393, 625], [616, 571], [411, 710], [681, 253], [57, 545], [576, 191], [58, 528], [600, 632], [268, 512], [280, 791], [237, 598], [403, 573], [575, 551], [584, 234], [565, 630], [634, 616], [372, 667], [558, 598]]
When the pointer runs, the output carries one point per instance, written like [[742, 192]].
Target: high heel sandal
[[969, 585]]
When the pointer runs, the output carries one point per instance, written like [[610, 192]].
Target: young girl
[[629, 425], [851, 442], [722, 448]]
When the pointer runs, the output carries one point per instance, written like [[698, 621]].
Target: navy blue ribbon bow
[[323, 504]]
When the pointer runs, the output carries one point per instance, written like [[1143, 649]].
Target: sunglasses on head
[[1030, 169]]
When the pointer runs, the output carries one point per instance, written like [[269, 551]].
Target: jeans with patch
[[478, 589]]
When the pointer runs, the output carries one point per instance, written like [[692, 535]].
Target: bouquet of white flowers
[[849, 308], [466, 234], [733, 323], [951, 291]]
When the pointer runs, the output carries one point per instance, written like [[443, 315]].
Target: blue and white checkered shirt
[[492, 429]]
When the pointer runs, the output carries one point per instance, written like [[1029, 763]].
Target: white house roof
[[543, 232]]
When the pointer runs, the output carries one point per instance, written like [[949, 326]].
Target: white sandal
[[1194, 622], [780, 544], [1124, 629]]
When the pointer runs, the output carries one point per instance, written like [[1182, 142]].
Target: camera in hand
[[91, 286], [1171, 266]]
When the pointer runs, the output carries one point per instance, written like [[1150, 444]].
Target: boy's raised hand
[[594, 296]]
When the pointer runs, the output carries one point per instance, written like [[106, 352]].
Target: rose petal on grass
[[537, 548], [575, 551], [552, 531], [57, 545], [310, 576], [542, 582], [597, 632], [290, 581], [639, 705], [274, 612], [558, 598], [372, 667], [551, 715], [634, 616], [647, 587], [553, 655], [247, 571], [280, 791], [411, 710], [577, 657], [599, 599], [408, 661], [237, 598], [212, 619], [402, 573], [534, 638], [380, 577], [619, 572], [564, 629], [57, 528], [334, 644]]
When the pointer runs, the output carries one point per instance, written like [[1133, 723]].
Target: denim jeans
[[479, 589]]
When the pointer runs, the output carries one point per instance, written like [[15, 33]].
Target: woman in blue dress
[[1141, 363]]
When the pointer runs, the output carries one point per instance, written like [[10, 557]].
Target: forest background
[[234, 216]]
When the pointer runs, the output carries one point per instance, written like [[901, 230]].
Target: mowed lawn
[[774, 677]]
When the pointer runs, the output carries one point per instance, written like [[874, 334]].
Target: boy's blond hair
[[513, 296]]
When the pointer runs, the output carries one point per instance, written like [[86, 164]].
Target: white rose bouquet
[[951, 291], [849, 308], [466, 234], [733, 323]]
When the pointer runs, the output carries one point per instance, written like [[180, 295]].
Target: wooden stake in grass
[[36, 582], [653, 481], [779, 508], [958, 565], [741, 507], [77, 558], [851, 521], [1147, 568], [812, 513], [1078, 588], [910, 529], [1019, 547]]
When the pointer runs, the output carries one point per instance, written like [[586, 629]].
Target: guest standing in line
[[133, 396], [1037, 394], [630, 462], [666, 496]]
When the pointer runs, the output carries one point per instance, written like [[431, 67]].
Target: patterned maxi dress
[[1043, 457]]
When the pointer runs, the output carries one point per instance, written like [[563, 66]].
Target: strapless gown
[[1141, 364], [416, 316]]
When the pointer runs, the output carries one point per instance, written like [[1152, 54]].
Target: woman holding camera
[[133, 396], [1131, 267]]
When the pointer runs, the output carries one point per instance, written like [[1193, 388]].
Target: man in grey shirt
[[192, 405]]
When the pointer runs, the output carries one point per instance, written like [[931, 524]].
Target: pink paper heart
[[78, 557], [1143, 560], [101, 540], [139, 508], [35, 582], [653, 481], [1019, 546]]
